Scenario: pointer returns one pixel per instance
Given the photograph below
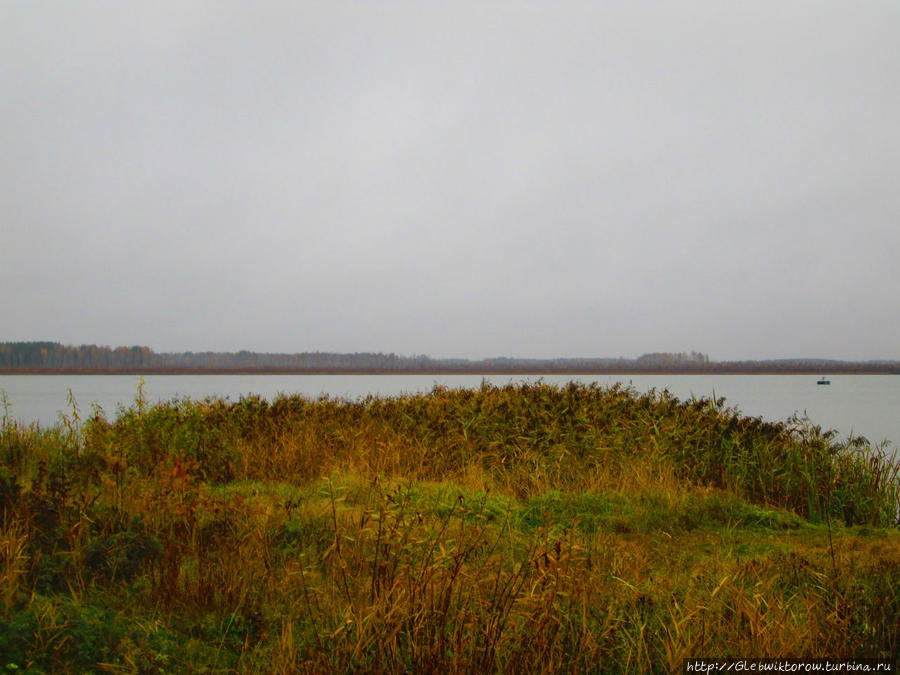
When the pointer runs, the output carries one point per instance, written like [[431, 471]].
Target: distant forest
[[53, 357]]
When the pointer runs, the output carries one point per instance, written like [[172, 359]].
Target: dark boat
[[823, 380]]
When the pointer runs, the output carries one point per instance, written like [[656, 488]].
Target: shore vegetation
[[500, 529]]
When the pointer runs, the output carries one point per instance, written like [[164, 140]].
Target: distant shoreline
[[834, 369], [54, 358]]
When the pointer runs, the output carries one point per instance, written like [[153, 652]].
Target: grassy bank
[[526, 527]]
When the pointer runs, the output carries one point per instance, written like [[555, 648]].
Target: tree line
[[57, 357]]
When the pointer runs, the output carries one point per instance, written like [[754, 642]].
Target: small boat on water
[[823, 380]]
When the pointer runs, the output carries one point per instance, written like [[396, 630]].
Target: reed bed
[[569, 529]]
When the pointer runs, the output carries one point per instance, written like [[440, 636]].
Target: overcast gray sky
[[528, 179]]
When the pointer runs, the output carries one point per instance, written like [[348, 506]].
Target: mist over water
[[861, 405]]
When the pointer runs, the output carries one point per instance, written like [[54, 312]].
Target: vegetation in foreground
[[574, 529]]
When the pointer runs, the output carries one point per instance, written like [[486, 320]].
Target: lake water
[[864, 405]]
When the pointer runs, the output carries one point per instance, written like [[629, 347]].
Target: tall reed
[[569, 528]]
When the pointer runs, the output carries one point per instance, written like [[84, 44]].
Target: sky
[[528, 179]]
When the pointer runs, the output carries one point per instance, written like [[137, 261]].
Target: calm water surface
[[866, 405]]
